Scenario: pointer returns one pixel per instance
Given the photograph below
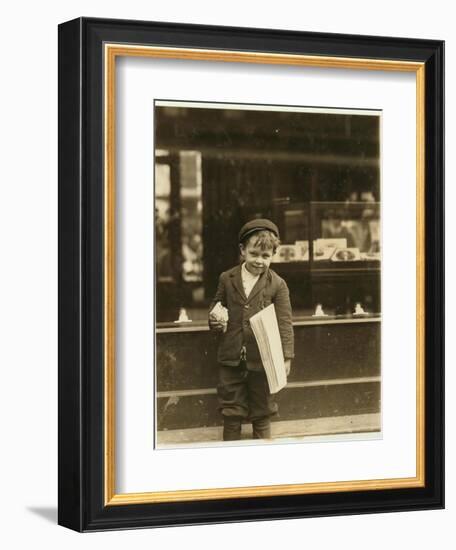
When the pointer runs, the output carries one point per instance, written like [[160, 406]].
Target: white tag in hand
[[220, 314]]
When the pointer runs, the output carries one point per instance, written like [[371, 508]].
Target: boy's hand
[[216, 326], [287, 366]]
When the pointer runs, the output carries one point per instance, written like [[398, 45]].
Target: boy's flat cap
[[257, 225]]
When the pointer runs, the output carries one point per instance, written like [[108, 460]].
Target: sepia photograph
[[268, 274]]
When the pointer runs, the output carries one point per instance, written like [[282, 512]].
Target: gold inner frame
[[111, 52]]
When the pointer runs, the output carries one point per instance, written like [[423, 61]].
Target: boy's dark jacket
[[270, 288]]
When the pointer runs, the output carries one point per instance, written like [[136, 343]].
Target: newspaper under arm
[[266, 330]]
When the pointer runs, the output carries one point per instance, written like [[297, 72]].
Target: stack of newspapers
[[266, 330]]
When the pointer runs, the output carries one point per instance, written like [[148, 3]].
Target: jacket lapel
[[237, 281], [259, 285]]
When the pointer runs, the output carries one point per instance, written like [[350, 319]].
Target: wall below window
[[336, 372]]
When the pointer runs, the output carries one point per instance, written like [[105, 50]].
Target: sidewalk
[[287, 429]]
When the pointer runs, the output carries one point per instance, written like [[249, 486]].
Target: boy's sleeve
[[220, 294], [284, 318]]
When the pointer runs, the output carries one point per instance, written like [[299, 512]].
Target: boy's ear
[[241, 248]]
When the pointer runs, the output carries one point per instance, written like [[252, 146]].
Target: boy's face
[[256, 259]]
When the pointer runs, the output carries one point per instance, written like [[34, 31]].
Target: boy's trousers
[[244, 394]]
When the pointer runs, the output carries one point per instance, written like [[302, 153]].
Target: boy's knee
[[232, 403], [232, 392]]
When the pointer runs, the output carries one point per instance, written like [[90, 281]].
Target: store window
[[315, 174]]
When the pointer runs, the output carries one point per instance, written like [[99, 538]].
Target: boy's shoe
[[261, 428], [231, 428]]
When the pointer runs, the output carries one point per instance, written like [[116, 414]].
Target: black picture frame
[[81, 476]]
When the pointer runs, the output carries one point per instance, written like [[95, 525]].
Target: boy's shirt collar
[[248, 280], [246, 273]]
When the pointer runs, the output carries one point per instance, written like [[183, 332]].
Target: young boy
[[244, 290]]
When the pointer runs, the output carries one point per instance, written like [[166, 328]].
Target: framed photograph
[[250, 274]]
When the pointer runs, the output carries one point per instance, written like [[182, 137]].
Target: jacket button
[[246, 306]]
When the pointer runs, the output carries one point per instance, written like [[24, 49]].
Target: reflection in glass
[[346, 231], [191, 215], [162, 215]]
